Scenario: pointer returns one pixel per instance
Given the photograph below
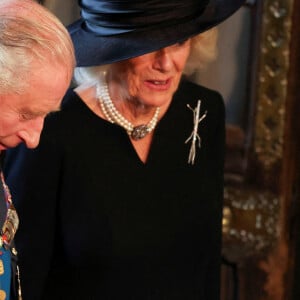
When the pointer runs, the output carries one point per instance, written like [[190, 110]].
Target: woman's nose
[[163, 60]]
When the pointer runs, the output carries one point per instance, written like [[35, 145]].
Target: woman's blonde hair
[[203, 51]]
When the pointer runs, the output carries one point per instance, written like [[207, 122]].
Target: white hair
[[29, 32]]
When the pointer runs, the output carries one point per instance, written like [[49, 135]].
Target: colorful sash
[[8, 231]]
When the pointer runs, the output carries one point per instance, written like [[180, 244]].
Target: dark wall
[[294, 121]]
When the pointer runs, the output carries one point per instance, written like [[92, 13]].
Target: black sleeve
[[32, 176]]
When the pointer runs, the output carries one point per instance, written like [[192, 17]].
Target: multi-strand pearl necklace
[[112, 115]]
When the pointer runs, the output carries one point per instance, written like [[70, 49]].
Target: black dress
[[97, 223]]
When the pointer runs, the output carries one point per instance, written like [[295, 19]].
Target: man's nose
[[31, 135]]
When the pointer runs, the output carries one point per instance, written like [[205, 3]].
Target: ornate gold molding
[[273, 72], [251, 222]]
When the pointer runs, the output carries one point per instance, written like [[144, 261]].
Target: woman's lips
[[158, 85]]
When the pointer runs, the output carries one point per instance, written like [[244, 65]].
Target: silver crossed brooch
[[194, 135]]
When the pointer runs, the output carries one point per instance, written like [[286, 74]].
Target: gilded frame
[[253, 200]]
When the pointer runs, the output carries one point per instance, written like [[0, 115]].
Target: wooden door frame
[[291, 174], [262, 205]]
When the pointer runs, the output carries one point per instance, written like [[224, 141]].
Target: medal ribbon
[[8, 231]]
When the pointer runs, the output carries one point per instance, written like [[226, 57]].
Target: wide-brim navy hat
[[114, 30]]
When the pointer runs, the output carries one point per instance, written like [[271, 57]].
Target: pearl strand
[[112, 115]]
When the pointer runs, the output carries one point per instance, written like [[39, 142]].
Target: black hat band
[[105, 18]]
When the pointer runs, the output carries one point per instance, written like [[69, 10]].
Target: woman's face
[[152, 79]]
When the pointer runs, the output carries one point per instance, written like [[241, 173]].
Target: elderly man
[[36, 66]]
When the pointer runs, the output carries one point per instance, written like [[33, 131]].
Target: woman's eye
[[182, 42]]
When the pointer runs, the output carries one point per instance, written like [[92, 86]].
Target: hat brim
[[92, 50]]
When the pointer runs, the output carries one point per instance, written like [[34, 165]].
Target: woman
[[123, 197]]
